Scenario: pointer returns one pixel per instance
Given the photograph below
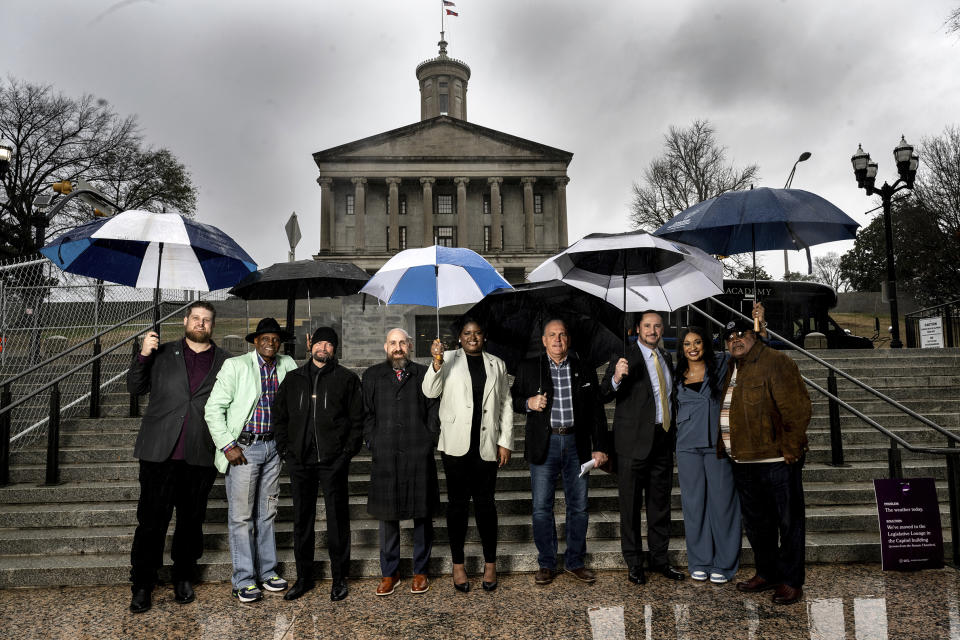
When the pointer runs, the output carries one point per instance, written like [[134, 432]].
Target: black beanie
[[325, 334]]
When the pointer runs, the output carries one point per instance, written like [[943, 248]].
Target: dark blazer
[[336, 413], [589, 418], [636, 411], [401, 428], [164, 377]]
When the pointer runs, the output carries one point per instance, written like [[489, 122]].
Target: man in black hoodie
[[318, 428]]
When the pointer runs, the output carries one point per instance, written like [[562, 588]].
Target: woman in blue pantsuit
[[711, 508]]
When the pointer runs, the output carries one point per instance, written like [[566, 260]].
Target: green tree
[[747, 273], [57, 138], [926, 258]]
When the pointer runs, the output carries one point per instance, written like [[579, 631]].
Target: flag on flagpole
[[447, 3], [451, 12]]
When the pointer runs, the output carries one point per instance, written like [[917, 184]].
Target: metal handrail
[[85, 363], [69, 350], [936, 306], [837, 371]]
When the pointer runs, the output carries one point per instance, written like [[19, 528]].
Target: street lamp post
[[865, 170], [786, 260]]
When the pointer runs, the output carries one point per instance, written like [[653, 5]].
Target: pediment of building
[[443, 138]]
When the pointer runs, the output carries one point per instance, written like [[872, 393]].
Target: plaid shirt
[[561, 413], [261, 422]]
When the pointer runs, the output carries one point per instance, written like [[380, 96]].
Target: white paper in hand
[[586, 466]]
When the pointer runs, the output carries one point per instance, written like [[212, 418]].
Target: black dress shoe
[[462, 587], [140, 601], [669, 572], [183, 592], [299, 588], [636, 576], [339, 590], [489, 586]]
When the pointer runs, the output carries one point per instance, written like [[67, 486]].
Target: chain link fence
[[44, 311]]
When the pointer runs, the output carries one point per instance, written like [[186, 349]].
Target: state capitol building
[[446, 181]]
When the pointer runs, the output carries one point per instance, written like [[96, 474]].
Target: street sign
[[293, 234]]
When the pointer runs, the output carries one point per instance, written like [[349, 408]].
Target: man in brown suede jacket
[[763, 428]]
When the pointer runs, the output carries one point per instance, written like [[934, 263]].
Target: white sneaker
[[718, 578], [699, 576]]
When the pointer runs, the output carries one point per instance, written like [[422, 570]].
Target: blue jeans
[[562, 461], [252, 493]]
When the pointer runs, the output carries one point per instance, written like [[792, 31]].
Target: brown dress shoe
[[785, 594], [754, 585], [544, 576], [583, 575], [421, 584], [388, 584]]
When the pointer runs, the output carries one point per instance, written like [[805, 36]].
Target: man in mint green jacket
[[239, 417]]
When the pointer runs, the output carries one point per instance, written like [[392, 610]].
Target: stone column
[[562, 211], [496, 214], [393, 211], [529, 228], [326, 214], [463, 235], [427, 210], [360, 212]]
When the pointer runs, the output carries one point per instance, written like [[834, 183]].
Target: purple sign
[[910, 533]]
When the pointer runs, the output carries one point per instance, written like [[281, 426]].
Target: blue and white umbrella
[[435, 277], [159, 250]]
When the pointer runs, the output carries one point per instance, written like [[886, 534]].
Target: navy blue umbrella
[[159, 250], [760, 220]]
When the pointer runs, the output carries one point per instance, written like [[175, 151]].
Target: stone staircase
[[80, 532]]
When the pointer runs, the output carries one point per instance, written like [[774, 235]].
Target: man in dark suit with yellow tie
[[644, 437]]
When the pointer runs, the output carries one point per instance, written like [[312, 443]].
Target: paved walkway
[[841, 601]]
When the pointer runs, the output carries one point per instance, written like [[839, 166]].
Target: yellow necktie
[[664, 407]]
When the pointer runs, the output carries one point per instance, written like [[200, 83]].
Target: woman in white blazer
[[476, 434]]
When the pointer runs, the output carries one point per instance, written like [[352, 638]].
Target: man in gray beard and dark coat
[[401, 428]]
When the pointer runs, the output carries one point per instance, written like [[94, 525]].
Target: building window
[[445, 236], [538, 203], [349, 205], [486, 204], [426, 332], [403, 204], [487, 241], [445, 204], [403, 237]]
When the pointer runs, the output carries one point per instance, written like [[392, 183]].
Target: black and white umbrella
[[635, 271]]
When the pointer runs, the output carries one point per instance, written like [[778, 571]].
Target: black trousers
[[390, 545], [646, 482], [774, 518], [163, 487], [306, 481], [470, 476]]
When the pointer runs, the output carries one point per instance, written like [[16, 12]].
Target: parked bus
[[793, 309]]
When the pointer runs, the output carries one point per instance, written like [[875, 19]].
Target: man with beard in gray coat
[[401, 428]]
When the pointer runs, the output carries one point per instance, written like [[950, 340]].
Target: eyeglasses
[[735, 334]]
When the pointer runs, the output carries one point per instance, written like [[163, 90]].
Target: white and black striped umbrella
[[635, 271]]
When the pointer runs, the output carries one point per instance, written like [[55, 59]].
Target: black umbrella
[[514, 320], [308, 279]]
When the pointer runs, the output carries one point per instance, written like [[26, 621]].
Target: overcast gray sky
[[244, 92]]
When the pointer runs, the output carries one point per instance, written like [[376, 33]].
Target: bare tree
[[693, 168], [826, 270], [57, 138], [952, 22], [937, 188]]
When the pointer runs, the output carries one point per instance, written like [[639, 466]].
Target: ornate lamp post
[[786, 260], [865, 170]]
